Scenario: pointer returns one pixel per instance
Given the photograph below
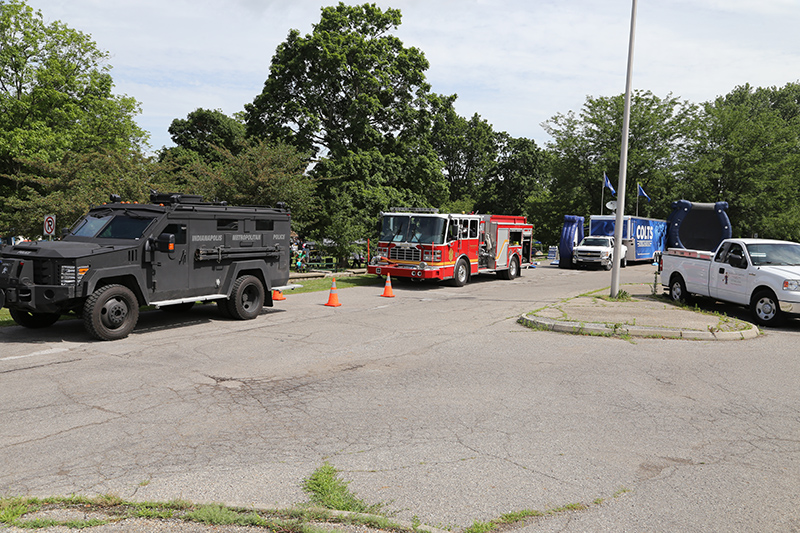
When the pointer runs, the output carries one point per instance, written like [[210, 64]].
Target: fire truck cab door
[[501, 257]]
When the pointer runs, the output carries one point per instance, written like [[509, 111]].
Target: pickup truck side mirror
[[165, 242], [737, 261]]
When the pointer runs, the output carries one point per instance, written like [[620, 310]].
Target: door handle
[[722, 270]]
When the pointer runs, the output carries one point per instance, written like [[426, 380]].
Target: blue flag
[[608, 184], [642, 193]]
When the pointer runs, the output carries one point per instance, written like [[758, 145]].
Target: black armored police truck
[[170, 253]]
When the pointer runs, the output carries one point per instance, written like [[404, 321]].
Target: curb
[[600, 329]]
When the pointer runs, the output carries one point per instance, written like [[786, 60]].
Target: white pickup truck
[[597, 250], [759, 273]]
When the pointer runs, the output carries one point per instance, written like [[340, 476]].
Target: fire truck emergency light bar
[[413, 210]]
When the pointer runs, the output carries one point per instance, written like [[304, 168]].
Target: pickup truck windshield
[[413, 228], [109, 226], [774, 253], [595, 241]]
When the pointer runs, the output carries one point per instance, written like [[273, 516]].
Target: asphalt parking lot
[[436, 401]]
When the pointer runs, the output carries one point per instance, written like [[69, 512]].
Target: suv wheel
[[111, 312], [247, 298]]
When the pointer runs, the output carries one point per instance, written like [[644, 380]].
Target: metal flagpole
[[623, 161], [603, 194]]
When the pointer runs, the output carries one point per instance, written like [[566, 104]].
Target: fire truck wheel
[[33, 320], [247, 298], [111, 312], [461, 273], [513, 269]]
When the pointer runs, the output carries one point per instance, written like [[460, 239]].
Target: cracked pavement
[[435, 401]]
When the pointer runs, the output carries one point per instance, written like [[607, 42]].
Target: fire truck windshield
[[414, 228]]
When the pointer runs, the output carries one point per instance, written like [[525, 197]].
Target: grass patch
[[325, 488], [520, 516], [324, 284], [216, 514], [110, 508], [5, 317]]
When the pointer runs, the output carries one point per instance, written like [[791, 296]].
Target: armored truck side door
[[169, 270]]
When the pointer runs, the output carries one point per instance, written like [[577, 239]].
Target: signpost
[[50, 225]]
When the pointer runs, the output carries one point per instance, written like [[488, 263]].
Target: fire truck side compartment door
[[501, 257]]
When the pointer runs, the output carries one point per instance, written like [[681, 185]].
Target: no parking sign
[[50, 225]]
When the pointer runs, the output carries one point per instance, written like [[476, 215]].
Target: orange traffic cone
[[387, 287], [277, 296], [333, 299]]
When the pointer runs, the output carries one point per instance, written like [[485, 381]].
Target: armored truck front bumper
[[23, 285], [37, 298]]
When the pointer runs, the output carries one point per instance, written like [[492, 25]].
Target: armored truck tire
[[461, 273], [766, 309], [111, 312], [247, 298], [33, 320]]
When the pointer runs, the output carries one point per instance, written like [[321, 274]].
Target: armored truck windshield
[[107, 225]]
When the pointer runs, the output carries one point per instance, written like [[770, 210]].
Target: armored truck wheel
[[247, 298], [33, 320], [111, 312]]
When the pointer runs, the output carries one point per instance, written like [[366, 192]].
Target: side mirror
[[737, 261], [165, 242]]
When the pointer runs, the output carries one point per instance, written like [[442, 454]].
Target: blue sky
[[514, 62]]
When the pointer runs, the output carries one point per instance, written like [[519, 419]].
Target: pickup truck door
[[728, 279]]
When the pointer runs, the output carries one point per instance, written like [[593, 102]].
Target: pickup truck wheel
[[677, 290], [766, 309], [461, 273], [610, 263], [247, 298], [624, 262], [111, 312], [33, 320]]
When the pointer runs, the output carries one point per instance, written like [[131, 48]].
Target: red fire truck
[[425, 244]]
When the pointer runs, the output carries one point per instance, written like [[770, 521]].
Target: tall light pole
[[623, 163]]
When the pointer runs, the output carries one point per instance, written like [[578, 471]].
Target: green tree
[[260, 173], [205, 130], [521, 170], [349, 85], [69, 187], [748, 154], [467, 149], [56, 101], [354, 97], [588, 144]]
